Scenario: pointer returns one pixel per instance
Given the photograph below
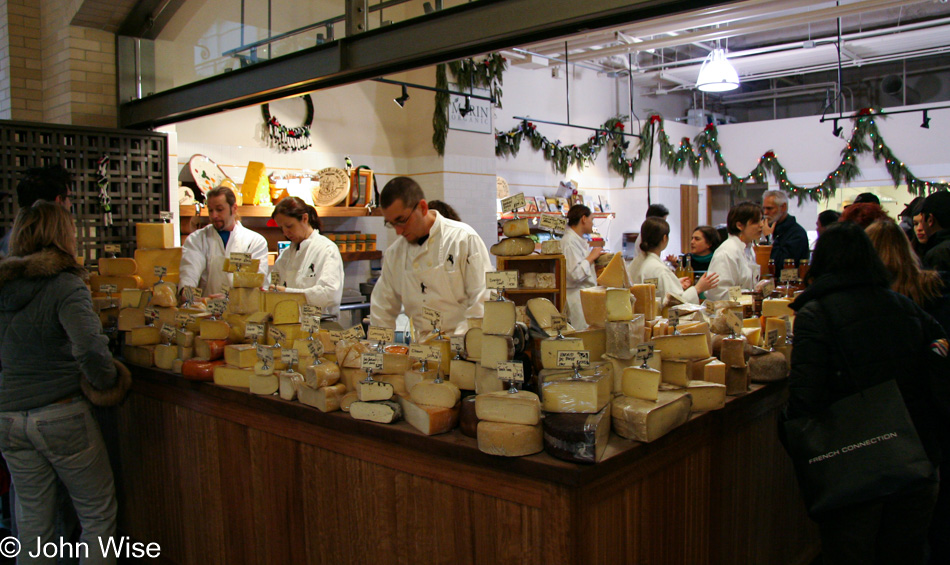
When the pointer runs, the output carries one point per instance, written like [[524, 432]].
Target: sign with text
[[289, 356], [315, 348], [501, 279], [217, 306], [108, 288], [160, 270], [151, 314], [240, 259], [572, 358], [168, 333], [735, 293], [356, 332], [276, 334], [113, 248], [266, 355], [432, 316], [788, 275], [553, 223], [771, 339], [654, 282], [371, 362], [513, 202], [644, 351], [511, 371], [166, 216], [478, 113], [424, 352], [377, 333], [254, 331], [310, 324]]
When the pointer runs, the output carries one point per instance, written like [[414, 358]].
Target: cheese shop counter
[[217, 475]]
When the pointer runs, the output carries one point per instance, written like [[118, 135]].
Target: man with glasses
[[437, 263], [50, 183]]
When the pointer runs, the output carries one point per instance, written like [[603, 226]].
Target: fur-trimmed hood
[[19, 276]]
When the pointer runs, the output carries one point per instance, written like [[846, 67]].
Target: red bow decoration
[[655, 118], [769, 155], [710, 127], [864, 112]]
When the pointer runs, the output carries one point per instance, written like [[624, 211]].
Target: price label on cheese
[[511, 371], [501, 279], [732, 321], [513, 203], [425, 352], [735, 293], [217, 306], [168, 332], [310, 310], [768, 287], [151, 314], [188, 293], [266, 355], [113, 248], [335, 335], [674, 317], [561, 225], [240, 259], [315, 348], [548, 222], [771, 338], [654, 282], [289, 356], [108, 288], [166, 216], [276, 334], [432, 316], [458, 342], [371, 362], [644, 351], [160, 270], [310, 324], [254, 331], [356, 332], [788, 275], [558, 322], [274, 278], [182, 319], [788, 326], [377, 333], [571, 358]]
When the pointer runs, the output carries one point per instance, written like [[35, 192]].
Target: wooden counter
[[216, 475]]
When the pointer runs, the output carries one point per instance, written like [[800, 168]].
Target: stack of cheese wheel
[[431, 402], [516, 241]]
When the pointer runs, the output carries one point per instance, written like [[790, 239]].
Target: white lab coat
[[650, 266], [445, 273], [315, 269], [203, 255], [580, 274], [735, 264]]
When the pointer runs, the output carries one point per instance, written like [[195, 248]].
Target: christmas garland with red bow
[[487, 73], [705, 149]]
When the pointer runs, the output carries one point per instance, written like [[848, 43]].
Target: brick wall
[[21, 87]]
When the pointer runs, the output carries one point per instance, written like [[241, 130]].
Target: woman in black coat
[[852, 332]]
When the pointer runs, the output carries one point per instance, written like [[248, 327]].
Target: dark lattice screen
[[138, 171]]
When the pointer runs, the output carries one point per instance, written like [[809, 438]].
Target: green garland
[[487, 73], [865, 138]]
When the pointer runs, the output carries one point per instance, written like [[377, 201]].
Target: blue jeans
[[60, 439]]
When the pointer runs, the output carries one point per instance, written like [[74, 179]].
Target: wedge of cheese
[[777, 307], [165, 356], [255, 190], [264, 386], [271, 298], [522, 407], [614, 274], [509, 440], [542, 311], [473, 344], [617, 367], [683, 346], [642, 383], [500, 318], [350, 398], [676, 372], [244, 300], [551, 247], [213, 329], [496, 349], [622, 337], [561, 392], [646, 420], [247, 280], [287, 385], [324, 399], [323, 374], [431, 393], [287, 312], [165, 294], [135, 298], [225, 375], [243, 356], [413, 377], [594, 304], [462, 374], [486, 380], [513, 247], [144, 335], [383, 411], [706, 396], [430, 420], [595, 341], [645, 303], [715, 372], [154, 236], [581, 438], [374, 390], [148, 259]]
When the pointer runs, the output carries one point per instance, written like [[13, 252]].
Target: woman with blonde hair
[[51, 341]]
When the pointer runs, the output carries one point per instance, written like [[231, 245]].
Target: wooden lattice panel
[[138, 172]]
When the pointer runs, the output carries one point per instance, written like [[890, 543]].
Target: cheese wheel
[[522, 407], [513, 247], [581, 438], [117, 266], [199, 370], [509, 440]]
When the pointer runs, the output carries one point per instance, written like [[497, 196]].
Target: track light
[[926, 123], [717, 74], [836, 131], [401, 101], [468, 107]]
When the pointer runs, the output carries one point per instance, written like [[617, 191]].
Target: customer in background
[[906, 217], [653, 211], [825, 219], [648, 265], [444, 209], [919, 239], [312, 265], [789, 240], [50, 339], [864, 214], [702, 244], [52, 183], [852, 332], [734, 260], [935, 214], [867, 198]]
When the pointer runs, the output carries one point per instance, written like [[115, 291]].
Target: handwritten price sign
[[513, 203]]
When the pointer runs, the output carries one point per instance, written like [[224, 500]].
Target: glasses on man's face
[[402, 222]]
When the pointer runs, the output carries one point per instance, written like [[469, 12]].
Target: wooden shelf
[[361, 255], [539, 214], [266, 211], [532, 290]]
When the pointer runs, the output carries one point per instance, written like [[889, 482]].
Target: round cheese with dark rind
[[468, 421], [768, 368]]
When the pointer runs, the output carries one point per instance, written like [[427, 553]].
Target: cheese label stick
[[315, 348], [772, 338], [335, 335], [254, 330], [166, 216], [168, 333], [558, 322], [458, 342], [113, 248], [735, 293], [289, 356], [644, 351], [425, 352], [548, 222], [571, 358], [276, 334], [511, 371], [160, 270], [310, 310], [151, 314], [501, 279], [266, 355], [275, 278], [217, 306], [371, 362], [197, 292], [189, 293], [377, 333], [732, 322], [356, 332], [433, 316], [182, 319], [788, 275], [240, 258], [108, 288], [512, 203], [788, 326], [310, 324], [768, 287], [654, 282]]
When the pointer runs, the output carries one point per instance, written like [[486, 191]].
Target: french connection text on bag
[[852, 447]]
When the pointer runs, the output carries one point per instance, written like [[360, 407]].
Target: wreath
[[284, 138]]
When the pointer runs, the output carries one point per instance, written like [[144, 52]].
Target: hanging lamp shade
[[717, 74]]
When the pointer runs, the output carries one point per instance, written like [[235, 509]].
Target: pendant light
[[717, 74]]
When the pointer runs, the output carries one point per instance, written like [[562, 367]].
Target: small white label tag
[[511, 371], [371, 361], [513, 203], [501, 279], [385, 335], [571, 358]]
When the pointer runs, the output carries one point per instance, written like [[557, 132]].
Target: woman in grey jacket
[[50, 339]]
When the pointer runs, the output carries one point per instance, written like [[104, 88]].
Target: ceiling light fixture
[[926, 123], [401, 101], [717, 74], [467, 109], [836, 130]]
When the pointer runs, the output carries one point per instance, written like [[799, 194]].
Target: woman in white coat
[[734, 260], [204, 251], [579, 261], [654, 237], [312, 264]]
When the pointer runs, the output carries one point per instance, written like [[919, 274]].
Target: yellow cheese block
[[676, 372], [645, 295], [594, 304], [516, 228], [614, 274], [252, 267], [213, 329], [500, 317], [641, 383], [706, 395], [550, 347], [560, 392], [225, 375], [135, 298], [256, 188], [373, 390], [143, 355], [165, 294], [287, 312], [121, 283], [117, 266], [148, 259], [431, 393], [486, 380], [323, 374], [684, 346], [462, 374], [777, 307], [247, 280], [185, 352], [619, 305], [595, 341], [271, 298], [244, 300], [522, 407], [496, 349], [647, 420], [753, 335], [291, 333], [144, 335], [430, 420], [263, 386], [715, 372], [154, 236], [616, 370], [165, 356], [509, 440], [185, 337], [243, 356]]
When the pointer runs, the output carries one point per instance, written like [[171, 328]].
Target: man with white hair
[[789, 239]]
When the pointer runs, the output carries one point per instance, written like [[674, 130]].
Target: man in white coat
[[579, 261], [204, 251], [437, 263]]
